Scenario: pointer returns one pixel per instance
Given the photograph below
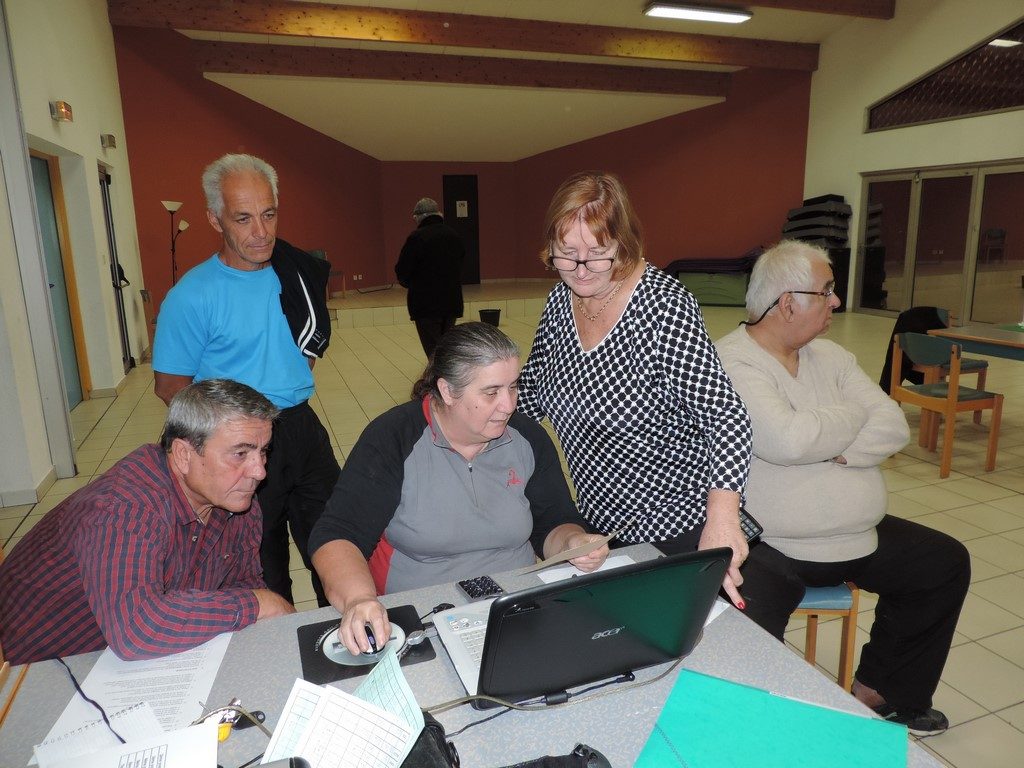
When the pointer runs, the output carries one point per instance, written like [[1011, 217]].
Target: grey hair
[[459, 353], [198, 409], [219, 169], [425, 206], [786, 266]]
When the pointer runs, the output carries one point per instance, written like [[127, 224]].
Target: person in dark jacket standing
[[430, 267]]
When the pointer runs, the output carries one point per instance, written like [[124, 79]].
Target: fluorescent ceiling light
[[697, 12], [1002, 42]]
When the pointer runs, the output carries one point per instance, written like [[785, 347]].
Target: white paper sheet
[[174, 686], [185, 748], [571, 571], [334, 729], [135, 722]]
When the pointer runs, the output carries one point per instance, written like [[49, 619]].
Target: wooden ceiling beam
[[306, 61], [865, 9], [345, 22]]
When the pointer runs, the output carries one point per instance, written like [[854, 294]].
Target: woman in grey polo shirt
[[448, 486]]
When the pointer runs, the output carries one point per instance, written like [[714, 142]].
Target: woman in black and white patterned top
[[622, 365]]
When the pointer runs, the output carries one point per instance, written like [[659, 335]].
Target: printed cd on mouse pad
[[322, 662]]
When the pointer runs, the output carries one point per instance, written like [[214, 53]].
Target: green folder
[[712, 723]]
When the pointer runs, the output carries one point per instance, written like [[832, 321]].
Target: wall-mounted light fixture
[[108, 141], [172, 207], [698, 12], [61, 112]]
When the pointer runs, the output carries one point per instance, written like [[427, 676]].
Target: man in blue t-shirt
[[235, 316]]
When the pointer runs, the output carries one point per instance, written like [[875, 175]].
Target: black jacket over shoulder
[[430, 266], [303, 296]]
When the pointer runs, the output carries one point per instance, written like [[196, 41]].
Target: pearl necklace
[[593, 318]]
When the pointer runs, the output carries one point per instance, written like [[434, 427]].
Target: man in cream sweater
[[821, 430]]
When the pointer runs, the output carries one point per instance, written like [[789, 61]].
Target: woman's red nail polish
[[741, 605]]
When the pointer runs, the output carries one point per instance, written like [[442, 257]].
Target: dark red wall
[[404, 183], [711, 183], [176, 122]]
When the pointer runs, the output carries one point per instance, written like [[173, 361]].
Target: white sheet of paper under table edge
[[107, 684], [132, 723], [190, 747], [571, 571], [393, 719]]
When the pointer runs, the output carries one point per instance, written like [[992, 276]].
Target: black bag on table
[[433, 750]]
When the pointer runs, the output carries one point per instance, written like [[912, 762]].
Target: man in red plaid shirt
[[161, 552]]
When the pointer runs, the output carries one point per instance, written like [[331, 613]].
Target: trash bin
[[490, 316]]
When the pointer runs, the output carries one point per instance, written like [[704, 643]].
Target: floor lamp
[[172, 207]]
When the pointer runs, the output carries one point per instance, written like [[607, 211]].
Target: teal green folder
[[712, 723]]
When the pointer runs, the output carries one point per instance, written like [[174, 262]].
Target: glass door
[[998, 287], [63, 301], [918, 241], [940, 255], [885, 282]]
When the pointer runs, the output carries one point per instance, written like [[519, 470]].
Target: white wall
[[868, 60], [64, 49]]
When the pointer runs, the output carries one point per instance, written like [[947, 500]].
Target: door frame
[[67, 261]]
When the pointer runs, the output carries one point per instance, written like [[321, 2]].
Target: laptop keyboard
[[471, 633]]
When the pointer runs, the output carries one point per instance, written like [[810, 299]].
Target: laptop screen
[[554, 637]]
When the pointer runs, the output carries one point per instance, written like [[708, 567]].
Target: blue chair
[[840, 600]]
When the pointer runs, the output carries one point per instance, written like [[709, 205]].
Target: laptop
[[550, 638]]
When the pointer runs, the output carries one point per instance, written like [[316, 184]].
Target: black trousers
[[301, 473], [920, 576], [431, 329]]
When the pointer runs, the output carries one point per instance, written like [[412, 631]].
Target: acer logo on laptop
[[607, 633]]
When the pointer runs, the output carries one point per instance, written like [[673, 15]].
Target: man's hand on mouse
[[359, 614]]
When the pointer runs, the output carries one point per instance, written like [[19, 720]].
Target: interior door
[[999, 273], [60, 295], [461, 213], [884, 279], [942, 242]]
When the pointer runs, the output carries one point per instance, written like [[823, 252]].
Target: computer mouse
[[372, 640]]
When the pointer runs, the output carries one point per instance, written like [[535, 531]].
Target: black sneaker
[[920, 722]]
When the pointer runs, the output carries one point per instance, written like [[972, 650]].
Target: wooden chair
[[7, 696], [943, 398], [920, 320], [8, 692], [840, 600], [934, 373]]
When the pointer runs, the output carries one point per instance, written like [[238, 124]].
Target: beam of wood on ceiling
[[865, 9], [344, 22], [306, 61]]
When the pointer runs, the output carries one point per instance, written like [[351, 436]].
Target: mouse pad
[[318, 669]]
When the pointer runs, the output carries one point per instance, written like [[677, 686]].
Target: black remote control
[[750, 527], [480, 588]]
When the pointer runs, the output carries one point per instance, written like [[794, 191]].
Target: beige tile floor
[[371, 367]]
